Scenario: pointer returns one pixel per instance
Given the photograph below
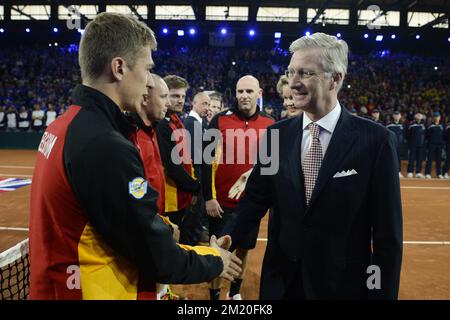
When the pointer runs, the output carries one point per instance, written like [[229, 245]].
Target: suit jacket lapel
[[204, 125], [295, 163], [341, 141]]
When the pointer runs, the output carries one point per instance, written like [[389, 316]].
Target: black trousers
[[188, 221], [447, 160], [415, 157], [434, 154], [399, 158]]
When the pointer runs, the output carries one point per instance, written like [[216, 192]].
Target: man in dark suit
[[336, 190], [196, 124]]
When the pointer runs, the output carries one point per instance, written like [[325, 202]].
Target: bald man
[[153, 109], [196, 124], [242, 126]]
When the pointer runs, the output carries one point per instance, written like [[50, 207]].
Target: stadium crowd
[[35, 88], [34, 83]]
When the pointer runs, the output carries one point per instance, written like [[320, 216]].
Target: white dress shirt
[[196, 116], [327, 125]]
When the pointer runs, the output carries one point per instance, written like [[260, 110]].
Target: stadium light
[[233, 63], [251, 32], [379, 38], [55, 30], [418, 36], [180, 33], [223, 31], [56, 44], [277, 35], [307, 33], [28, 30], [338, 35], [366, 36], [447, 39], [192, 31], [3, 30], [49, 44], [393, 36], [165, 30], [435, 68]]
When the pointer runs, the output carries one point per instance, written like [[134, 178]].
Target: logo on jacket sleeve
[[138, 187]]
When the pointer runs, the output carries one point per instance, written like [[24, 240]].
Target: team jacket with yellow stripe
[[219, 177], [181, 183], [94, 228]]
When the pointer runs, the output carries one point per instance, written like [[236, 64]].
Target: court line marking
[[405, 187], [404, 242], [429, 188], [13, 229], [16, 175], [264, 239], [15, 167], [29, 176]]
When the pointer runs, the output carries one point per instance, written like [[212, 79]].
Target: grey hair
[[333, 52]]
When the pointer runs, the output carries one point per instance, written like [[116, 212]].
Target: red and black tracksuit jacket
[[94, 228], [219, 177], [181, 183], [144, 139]]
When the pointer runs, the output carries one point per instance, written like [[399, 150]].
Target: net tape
[[15, 272]]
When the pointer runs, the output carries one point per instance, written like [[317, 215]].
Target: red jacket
[[220, 177], [146, 142]]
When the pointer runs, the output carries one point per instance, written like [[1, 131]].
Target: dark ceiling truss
[[319, 12], [199, 6], [135, 12], [19, 9]]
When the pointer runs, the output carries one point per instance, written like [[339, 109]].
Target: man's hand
[[231, 263], [239, 186], [224, 242], [213, 208], [176, 233]]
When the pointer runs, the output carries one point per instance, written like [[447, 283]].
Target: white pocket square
[[344, 173]]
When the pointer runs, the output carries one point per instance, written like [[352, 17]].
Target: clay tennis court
[[426, 219]]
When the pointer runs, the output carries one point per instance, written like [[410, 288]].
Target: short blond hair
[[333, 52], [283, 81], [112, 35], [176, 82]]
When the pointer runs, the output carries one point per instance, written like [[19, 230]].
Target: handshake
[[231, 263]]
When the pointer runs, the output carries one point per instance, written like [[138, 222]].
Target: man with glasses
[[335, 231]]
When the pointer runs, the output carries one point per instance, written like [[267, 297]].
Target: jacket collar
[[242, 116], [135, 119], [88, 97]]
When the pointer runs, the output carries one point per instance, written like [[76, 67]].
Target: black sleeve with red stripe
[[175, 171]]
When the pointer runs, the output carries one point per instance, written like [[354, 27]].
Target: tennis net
[[15, 272]]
